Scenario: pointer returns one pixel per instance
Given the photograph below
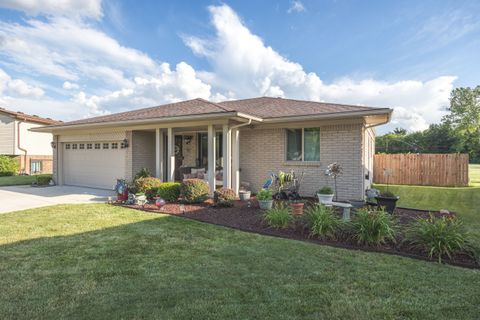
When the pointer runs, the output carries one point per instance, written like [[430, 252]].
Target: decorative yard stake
[[334, 170]]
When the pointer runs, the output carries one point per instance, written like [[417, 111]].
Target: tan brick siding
[[24, 163], [263, 151], [190, 151], [143, 151]]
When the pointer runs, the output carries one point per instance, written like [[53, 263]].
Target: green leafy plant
[[278, 217], [143, 173], [147, 183], [43, 179], [373, 227], [195, 190], [322, 221], [439, 237], [325, 190], [168, 191], [387, 194], [8, 166], [225, 197], [264, 194]]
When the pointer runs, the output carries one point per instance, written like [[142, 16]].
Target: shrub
[[439, 237], [43, 179], [144, 184], [387, 194], [169, 191], [323, 221], [143, 173], [264, 194], [224, 197], [325, 190], [373, 226], [278, 217], [194, 190], [8, 166]]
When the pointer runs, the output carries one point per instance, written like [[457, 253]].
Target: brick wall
[[24, 163], [142, 151], [263, 151]]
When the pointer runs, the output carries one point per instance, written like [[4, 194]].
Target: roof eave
[[208, 116], [332, 115]]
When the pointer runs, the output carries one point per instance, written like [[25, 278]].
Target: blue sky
[[84, 58]]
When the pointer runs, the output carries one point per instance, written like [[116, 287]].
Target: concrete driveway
[[15, 198]]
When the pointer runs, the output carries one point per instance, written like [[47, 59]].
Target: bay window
[[303, 144]]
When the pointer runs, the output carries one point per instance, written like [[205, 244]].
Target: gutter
[[333, 115], [19, 147]]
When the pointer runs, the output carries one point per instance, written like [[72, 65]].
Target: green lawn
[[474, 173], [105, 262], [16, 180]]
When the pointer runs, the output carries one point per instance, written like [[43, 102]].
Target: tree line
[[458, 131]]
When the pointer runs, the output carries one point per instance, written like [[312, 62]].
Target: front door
[[178, 156]]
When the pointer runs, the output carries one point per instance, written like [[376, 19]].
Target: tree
[[464, 120]]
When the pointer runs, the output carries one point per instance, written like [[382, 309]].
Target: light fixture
[[53, 144], [188, 139], [124, 144]]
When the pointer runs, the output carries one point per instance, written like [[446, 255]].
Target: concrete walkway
[[15, 198]]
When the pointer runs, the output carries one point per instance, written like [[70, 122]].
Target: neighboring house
[[234, 142], [33, 150]]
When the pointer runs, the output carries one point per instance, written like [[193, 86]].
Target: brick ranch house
[[32, 150], [233, 142]]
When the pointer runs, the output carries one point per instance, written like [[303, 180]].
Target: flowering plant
[[334, 170]]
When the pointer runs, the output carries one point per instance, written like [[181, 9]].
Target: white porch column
[[211, 157], [159, 153], [235, 175], [227, 156], [171, 155]]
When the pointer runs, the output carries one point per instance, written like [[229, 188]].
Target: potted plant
[[325, 194], [388, 200], [297, 208], [244, 194], [264, 198], [334, 170]]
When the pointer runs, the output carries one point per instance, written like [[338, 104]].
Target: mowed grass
[[474, 174], [105, 262], [16, 180]]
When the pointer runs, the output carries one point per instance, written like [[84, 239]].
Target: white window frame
[[303, 145]]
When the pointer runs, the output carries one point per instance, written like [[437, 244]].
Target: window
[[303, 144], [105, 146], [35, 166], [74, 146], [89, 146], [81, 146], [114, 145], [67, 146], [97, 145], [202, 160]]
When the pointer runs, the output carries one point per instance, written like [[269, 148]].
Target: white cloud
[[21, 88], [296, 6], [243, 64], [69, 85], [166, 86], [71, 8]]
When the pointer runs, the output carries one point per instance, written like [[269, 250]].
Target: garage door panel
[[97, 168]]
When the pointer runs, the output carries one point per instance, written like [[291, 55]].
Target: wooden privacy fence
[[422, 169]]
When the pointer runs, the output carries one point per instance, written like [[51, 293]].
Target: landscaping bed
[[247, 216]]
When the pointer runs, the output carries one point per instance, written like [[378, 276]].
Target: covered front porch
[[209, 152]]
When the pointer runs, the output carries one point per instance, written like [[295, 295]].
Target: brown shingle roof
[[32, 118], [266, 107], [184, 108]]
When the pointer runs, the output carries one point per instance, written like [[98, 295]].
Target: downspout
[[19, 147], [242, 124], [237, 183]]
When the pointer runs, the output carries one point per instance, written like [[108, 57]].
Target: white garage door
[[93, 164]]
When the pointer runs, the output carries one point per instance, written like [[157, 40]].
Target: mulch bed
[[246, 216]]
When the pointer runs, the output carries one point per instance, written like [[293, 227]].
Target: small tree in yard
[[334, 170]]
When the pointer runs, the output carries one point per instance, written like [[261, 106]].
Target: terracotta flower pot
[[297, 208]]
